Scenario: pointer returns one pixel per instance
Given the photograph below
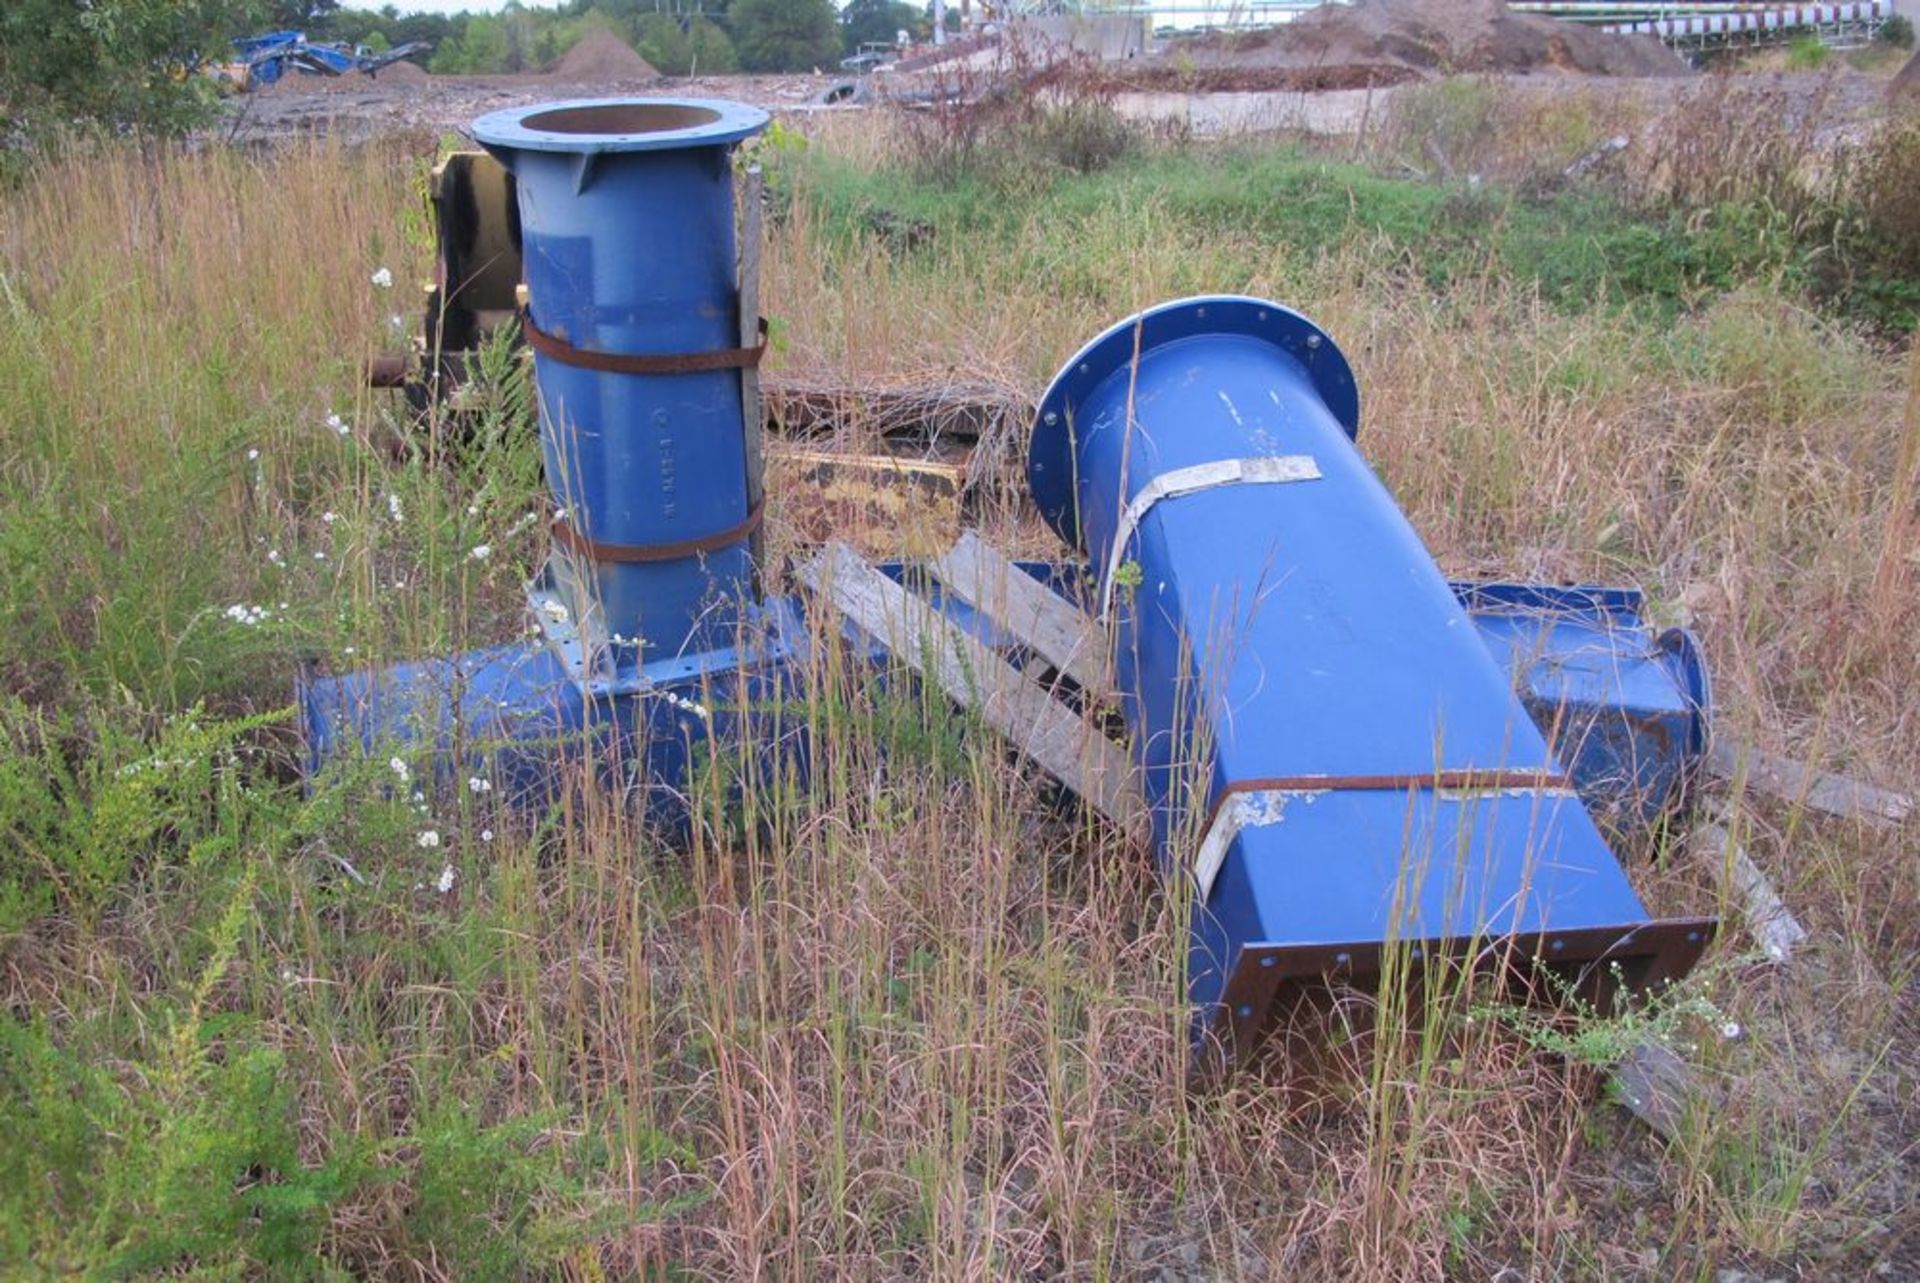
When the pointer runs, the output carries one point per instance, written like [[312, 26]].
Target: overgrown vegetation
[[919, 1021]]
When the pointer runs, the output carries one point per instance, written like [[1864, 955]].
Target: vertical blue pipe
[[626, 217]]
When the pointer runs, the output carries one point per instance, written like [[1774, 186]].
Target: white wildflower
[[252, 455], [397, 322], [695, 707], [1730, 1030], [338, 424], [481, 552], [486, 835], [251, 616], [319, 554], [479, 784], [445, 884], [398, 767], [273, 556], [328, 518], [393, 507], [555, 611], [382, 279], [429, 839]]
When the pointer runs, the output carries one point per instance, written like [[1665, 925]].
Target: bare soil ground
[[397, 101]]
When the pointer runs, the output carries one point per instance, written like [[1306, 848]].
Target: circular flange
[[585, 126], [1050, 464]]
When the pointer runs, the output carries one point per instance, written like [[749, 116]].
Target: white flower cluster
[[479, 784], [338, 425], [393, 508], [382, 279], [481, 552], [684, 704], [251, 616]]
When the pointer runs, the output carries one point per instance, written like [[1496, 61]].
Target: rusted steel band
[[552, 345], [594, 550], [1532, 781]]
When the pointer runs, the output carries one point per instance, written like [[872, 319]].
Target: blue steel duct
[[1330, 749], [1326, 724], [650, 636], [627, 246]]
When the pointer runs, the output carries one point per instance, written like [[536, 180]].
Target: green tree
[[785, 35], [682, 47], [879, 22], [481, 48], [121, 63]]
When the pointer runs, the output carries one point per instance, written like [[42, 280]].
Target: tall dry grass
[[922, 1021]]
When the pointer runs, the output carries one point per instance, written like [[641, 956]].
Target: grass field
[[919, 1022]]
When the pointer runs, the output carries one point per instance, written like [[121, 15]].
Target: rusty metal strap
[[1253, 803], [594, 550], [557, 348]]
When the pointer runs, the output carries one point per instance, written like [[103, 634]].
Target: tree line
[[132, 64]]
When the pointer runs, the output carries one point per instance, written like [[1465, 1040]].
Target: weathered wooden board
[[1795, 782], [1768, 919], [1656, 1087], [987, 579], [1045, 730]]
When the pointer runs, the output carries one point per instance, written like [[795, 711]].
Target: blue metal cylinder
[[627, 227], [1329, 749]]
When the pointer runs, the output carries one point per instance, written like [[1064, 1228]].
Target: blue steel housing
[[1328, 745], [627, 246], [1341, 749]]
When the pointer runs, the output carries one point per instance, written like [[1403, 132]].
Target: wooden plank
[[1066, 638], [1656, 1086], [1066, 747], [929, 412], [1795, 782], [1768, 919]]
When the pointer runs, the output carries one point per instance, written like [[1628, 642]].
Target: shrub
[[1896, 31], [1808, 53]]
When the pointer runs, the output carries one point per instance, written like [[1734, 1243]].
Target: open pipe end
[[1271, 984], [1051, 459]]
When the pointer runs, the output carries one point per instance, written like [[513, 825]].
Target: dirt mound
[[1437, 36], [402, 73], [601, 55]]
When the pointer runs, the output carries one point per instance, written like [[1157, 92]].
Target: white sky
[[450, 6]]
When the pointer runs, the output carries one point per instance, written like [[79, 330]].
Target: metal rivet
[[1260, 316], [1085, 368], [1313, 340], [1558, 945], [1342, 959], [1244, 1011], [1200, 311], [1268, 961], [1693, 937], [1051, 418]]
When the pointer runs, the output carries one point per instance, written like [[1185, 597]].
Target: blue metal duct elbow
[[1331, 752], [647, 606]]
